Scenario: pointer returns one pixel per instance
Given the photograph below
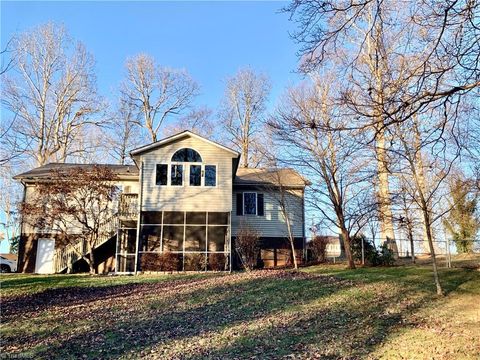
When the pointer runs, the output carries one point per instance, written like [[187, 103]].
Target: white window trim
[[256, 203], [186, 172], [186, 175]]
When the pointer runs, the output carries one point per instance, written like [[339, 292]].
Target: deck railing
[[128, 205], [66, 256]]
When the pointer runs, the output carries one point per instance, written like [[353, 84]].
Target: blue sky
[[212, 40]]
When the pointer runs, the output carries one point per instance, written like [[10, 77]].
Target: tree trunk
[[291, 239], [245, 154], [426, 217], [91, 263], [348, 251], [383, 193], [420, 173], [412, 245]]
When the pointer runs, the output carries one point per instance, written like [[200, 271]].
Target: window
[[210, 175], [195, 175], [161, 174], [249, 203], [187, 155], [176, 178]]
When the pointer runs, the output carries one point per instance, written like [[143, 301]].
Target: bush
[[195, 262], [373, 257], [217, 262], [318, 247], [386, 257], [247, 246], [160, 262]]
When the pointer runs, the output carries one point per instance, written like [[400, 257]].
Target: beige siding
[[187, 198], [273, 223], [31, 195], [131, 185]]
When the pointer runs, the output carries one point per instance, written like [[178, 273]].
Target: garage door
[[45, 252]]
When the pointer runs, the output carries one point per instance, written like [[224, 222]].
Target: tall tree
[[242, 112], [123, 134], [395, 58], [198, 120], [428, 147], [157, 93], [332, 161], [50, 92]]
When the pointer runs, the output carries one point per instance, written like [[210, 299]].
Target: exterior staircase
[[127, 210], [67, 256]]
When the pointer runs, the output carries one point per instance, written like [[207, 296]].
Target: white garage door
[[45, 252]]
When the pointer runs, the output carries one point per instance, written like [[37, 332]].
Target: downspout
[[140, 203]]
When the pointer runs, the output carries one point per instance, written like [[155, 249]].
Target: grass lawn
[[318, 312]]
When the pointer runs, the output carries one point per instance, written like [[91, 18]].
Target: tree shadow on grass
[[354, 319], [414, 277], [25, 305], [249, 300]]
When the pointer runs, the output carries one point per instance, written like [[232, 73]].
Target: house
[[185, 197]]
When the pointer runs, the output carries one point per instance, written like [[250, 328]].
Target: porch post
[[230, 239], [140, 202]]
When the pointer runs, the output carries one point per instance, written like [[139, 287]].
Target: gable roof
[[269, 176], [175, 137], [45, 171]]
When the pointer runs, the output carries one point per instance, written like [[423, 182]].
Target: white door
[[45, 252]]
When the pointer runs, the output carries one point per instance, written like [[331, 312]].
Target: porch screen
[[188, 235]]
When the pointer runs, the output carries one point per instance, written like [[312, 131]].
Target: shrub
[[386, 256], [194, 262], [373, 257], [160, 262], [318, 248], [217, 262], [150, 262], [247, 246], [169, 261]]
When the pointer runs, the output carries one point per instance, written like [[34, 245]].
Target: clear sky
[[212, 40]]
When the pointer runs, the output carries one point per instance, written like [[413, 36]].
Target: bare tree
[[396, 59], [198, 120], [242, 111], [157, 93], [123, 134], [332, 161], [50, 92], [283, 197], [9, 199], [76, 205], [428, 148], [5, 63]]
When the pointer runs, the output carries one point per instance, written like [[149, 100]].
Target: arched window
[[187, 155]]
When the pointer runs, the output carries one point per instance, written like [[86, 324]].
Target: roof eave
[[145, 148]]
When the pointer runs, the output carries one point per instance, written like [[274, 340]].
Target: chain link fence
[[446, 250], [463, 252]]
